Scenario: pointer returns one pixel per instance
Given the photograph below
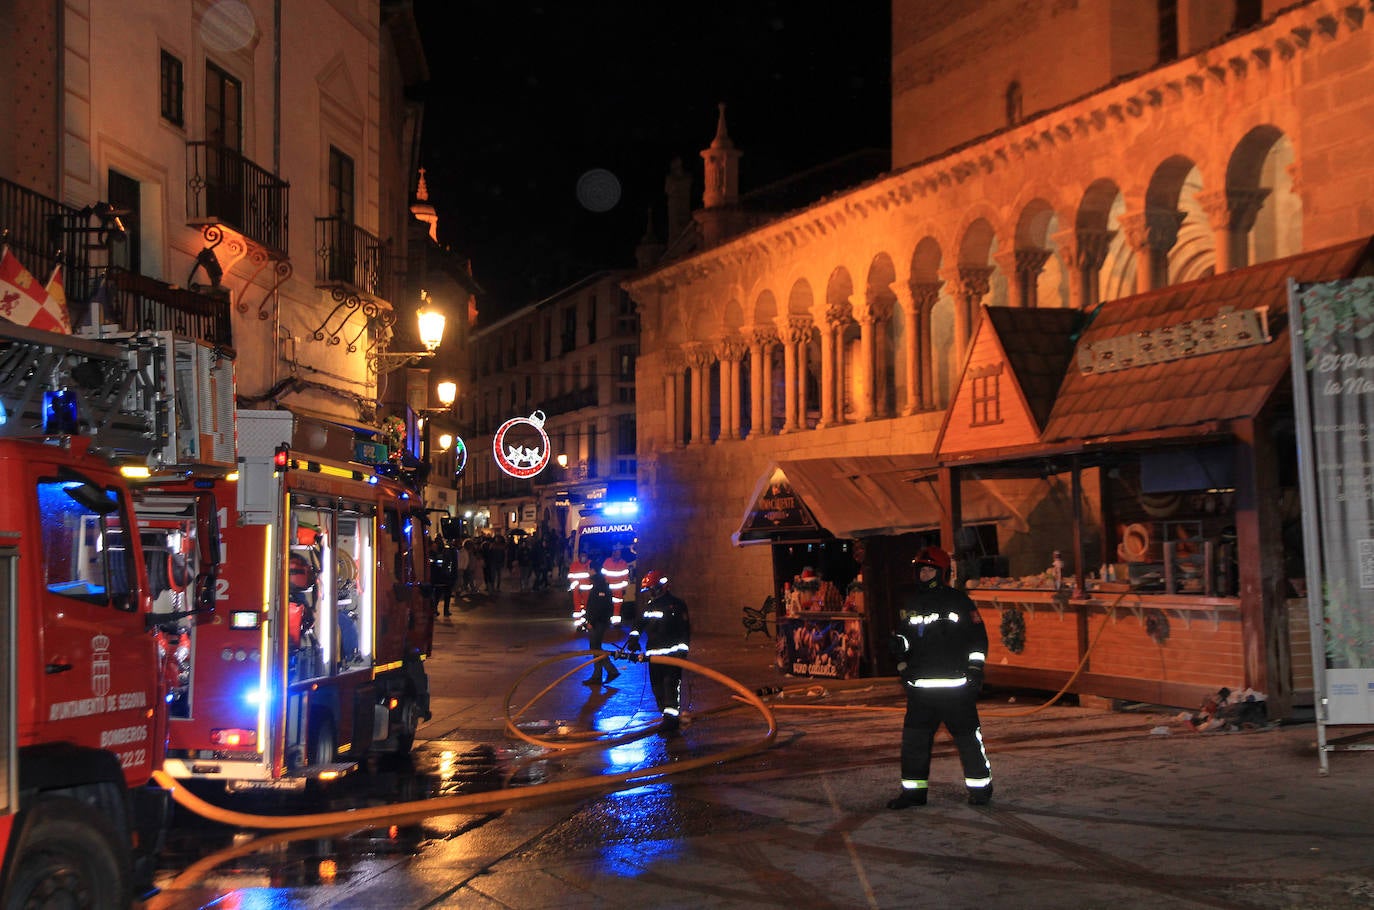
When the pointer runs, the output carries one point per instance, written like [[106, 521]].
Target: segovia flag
[[23, 300], [57, 299]]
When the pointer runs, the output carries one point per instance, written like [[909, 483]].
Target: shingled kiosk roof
[[1200, 390]]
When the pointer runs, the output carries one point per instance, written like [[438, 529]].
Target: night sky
[[527, 99]]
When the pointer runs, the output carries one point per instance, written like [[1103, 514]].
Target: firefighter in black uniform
[[600, 609], [941, 645], [663, 630]]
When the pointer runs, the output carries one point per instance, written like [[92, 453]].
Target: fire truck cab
[[84, 669], [82, 717]]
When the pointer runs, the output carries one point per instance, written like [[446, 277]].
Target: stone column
[[970, 284], [925, 295], [830, 358], [1083, 252], [699, 359], [789, 380], [768, 347], [731, 352], [1151, 234], [1232, 215], [911, 347], [876, 327], [673, 396], [756, 385], [1030, 262], [795, 332]]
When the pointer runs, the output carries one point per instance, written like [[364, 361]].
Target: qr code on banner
[[1366, 563]]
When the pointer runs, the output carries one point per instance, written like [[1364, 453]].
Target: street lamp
[[447, 391], [431, 324], [445, 441]]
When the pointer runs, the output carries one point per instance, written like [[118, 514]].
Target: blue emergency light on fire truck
[[326, 632], [86, 666]]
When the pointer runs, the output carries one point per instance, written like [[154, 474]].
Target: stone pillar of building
[[1084, 251], [789, 379], [924, 295], [756, 385], [1232, 215], [911, 347], [795, 333], [732, 351], [1030, 262], [1151, 234], [769, 345], [673, 396], [699, 360], [830, 342], [803, 365], [876, 325], [970, 284]]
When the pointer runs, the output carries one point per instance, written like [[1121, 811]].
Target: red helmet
[[933, 557], [653, 583]]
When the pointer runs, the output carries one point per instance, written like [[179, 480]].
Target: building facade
[[259, 158], [568, 362], [1046, 156]]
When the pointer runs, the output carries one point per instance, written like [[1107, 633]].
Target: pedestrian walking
[[664, 629], [600, 608], [440, 576], [462, 567], [941, 646]]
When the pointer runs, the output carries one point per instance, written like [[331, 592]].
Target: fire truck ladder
[[116, 390]]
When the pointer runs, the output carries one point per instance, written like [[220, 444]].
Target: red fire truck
[[83, 719], [82, 682], [314, 655]]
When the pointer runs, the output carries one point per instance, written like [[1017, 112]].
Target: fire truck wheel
[[407, 722], [323, 741], [70, 856]]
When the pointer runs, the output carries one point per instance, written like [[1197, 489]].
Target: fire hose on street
[[501, 799]]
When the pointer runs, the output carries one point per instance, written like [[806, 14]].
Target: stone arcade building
[[1047, 156]]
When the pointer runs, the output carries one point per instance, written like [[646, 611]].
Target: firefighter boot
[[980, 796], [910, 796]]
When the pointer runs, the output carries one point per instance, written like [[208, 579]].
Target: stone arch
[[1103, 260], [1038, 275], [1267, 214], [1178, 238]]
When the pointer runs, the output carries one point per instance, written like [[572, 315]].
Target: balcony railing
[[224, 187], [138, 303], [43, 233], [349, 257]]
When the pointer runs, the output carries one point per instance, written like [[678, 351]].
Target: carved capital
[[880, 310], [765, 336], [970, 283], [699, 355], [925, 294], [1233, 209], [1030, 260], [797, 329], [732, 349], [838, 315], [1155, 229]]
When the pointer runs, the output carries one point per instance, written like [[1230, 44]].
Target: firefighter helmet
[[653, 584], [934, 557]]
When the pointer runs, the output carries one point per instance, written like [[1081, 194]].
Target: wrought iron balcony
[[44, 233], [224, 187], [137, 303], [348, 258]]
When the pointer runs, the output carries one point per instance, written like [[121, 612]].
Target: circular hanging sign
[[460, 456], [512, 446]]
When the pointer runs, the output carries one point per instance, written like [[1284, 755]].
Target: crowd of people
[[487, 564]]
